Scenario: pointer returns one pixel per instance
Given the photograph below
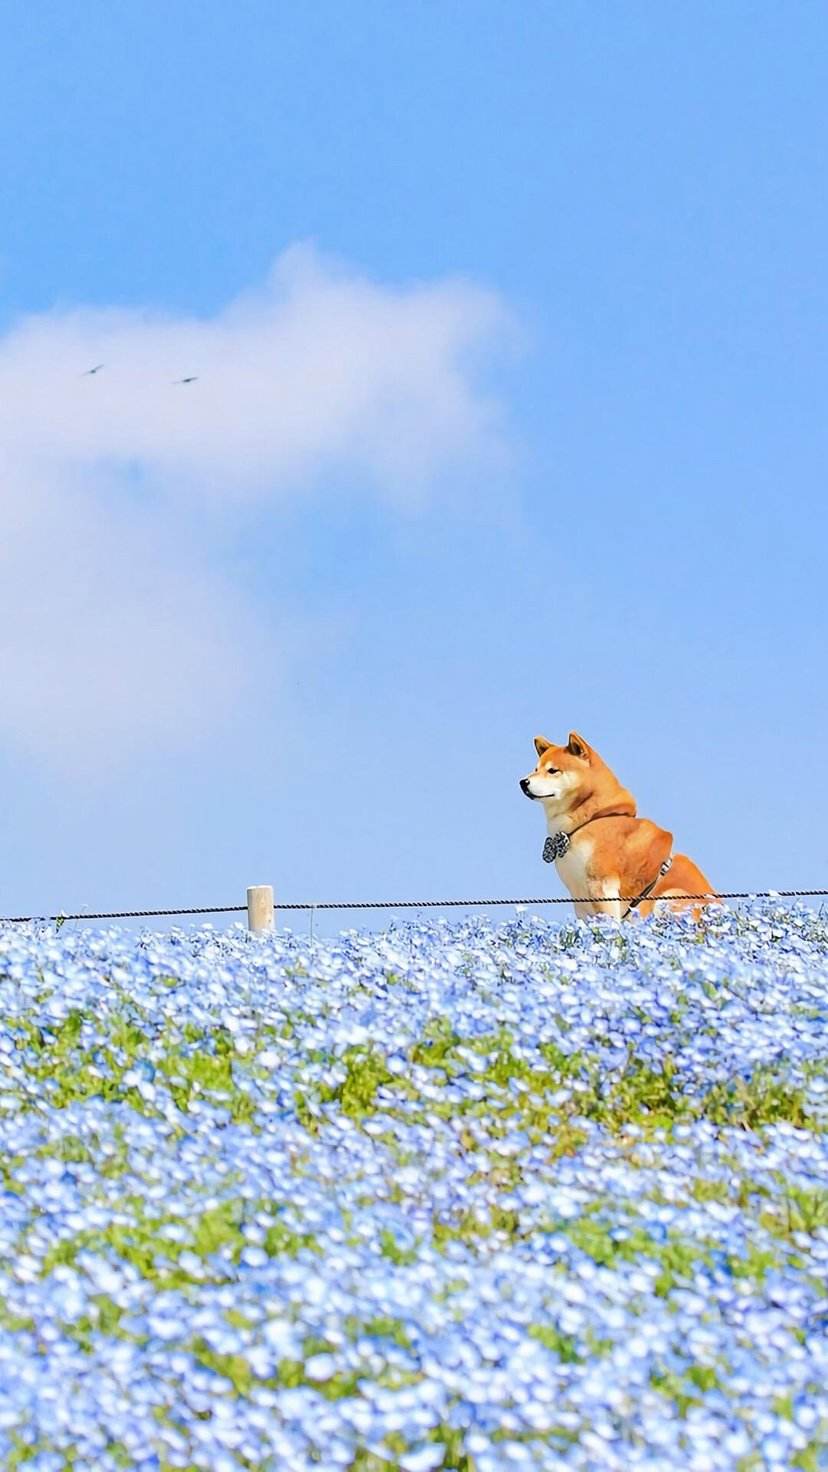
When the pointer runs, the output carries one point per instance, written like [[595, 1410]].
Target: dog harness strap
[[665, 869]]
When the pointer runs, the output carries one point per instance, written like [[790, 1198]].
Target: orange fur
[[612, 850]]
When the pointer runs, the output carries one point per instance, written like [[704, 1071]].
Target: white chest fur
[[572, 867], [575, 872]]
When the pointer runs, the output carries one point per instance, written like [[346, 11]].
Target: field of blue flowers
[[451, 1195]]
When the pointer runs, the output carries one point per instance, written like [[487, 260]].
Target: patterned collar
[[556, 845]]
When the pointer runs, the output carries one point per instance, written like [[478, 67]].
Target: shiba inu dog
[[599, 846]]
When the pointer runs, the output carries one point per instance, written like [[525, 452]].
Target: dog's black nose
[[524, 785]]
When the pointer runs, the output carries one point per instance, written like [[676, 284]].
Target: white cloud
[[119, 634]]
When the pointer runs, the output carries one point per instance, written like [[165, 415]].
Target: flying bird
[[192, 379], [96, 369]]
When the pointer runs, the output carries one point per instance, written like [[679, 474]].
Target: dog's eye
[[552, 771]]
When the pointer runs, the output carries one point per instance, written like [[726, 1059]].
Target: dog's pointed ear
[[541, 745], [577, 746]]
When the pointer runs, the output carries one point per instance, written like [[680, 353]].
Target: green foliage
[[381, 1327], [812, 1456], [762, 1099], [563, 1346], [684, 1391], [196, 1062], [147, 1245], [390, 1248], [800, 1209]]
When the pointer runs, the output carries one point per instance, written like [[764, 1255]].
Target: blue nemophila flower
[[542, 1196]]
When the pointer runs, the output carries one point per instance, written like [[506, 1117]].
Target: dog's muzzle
[[524, 786]]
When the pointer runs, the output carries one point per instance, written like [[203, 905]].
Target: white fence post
[[260, 908]]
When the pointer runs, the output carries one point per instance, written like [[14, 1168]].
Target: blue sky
[[509, 328]]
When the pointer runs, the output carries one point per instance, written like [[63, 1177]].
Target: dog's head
[[562, 772]]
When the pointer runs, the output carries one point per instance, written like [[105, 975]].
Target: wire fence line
[[467, 904]]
